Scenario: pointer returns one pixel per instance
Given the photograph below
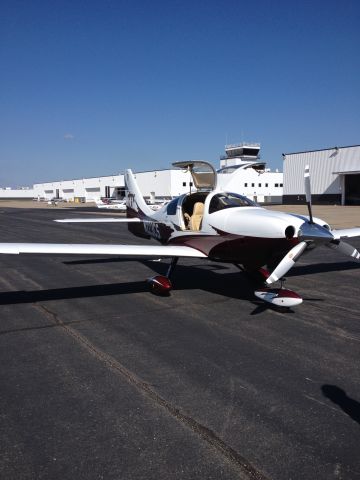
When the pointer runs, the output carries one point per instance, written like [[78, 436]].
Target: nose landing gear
[[281, 297]]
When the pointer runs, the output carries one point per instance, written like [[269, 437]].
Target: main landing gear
[[280, 297], [161, 284]]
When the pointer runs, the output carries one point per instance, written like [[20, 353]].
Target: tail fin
[[135, 201]]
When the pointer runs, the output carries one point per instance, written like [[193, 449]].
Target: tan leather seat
[[196, 217]]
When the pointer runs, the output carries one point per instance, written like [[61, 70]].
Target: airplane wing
[[346, 232], [145, 251], [98, 220]]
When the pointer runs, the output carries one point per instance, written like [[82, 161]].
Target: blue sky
[[91, 88]]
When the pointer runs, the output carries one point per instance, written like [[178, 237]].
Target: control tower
[[239, 154]]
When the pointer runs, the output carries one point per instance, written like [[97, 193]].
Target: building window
[[266, 185], [253, 184], [245, 184], [191, 184], [281, 184], [259, 184], [276, 185], [184, 184]]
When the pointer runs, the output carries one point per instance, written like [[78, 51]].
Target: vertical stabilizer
[[135, 201]]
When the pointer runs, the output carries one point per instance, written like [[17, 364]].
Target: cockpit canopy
[[203, 174], [224, 200]]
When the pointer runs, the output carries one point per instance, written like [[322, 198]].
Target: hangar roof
[[320, 150]]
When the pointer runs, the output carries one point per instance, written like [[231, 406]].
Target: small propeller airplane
[[109, 204], [214, 224]]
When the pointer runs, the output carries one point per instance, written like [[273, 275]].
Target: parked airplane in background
[[111, 204], [217, 225], [157, 205]]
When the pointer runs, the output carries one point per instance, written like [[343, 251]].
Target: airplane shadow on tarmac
[[338, 396], [232, 285], [209, 277], [233, 282], [33, 296]]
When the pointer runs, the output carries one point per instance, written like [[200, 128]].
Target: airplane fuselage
[[225, 234]]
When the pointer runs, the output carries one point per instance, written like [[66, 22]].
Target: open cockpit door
[[203, 174]]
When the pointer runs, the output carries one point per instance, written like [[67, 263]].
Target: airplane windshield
[[229, 200]]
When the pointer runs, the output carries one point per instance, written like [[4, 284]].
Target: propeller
[[345, 249], [308, 191], [287, 262], [310, 233]]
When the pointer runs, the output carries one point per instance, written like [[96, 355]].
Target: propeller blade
[[308, 191], [345, 249], [287, 262]]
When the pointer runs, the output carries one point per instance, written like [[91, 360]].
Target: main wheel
[[160, 285]]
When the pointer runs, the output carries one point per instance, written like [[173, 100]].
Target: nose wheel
[[281, 297]]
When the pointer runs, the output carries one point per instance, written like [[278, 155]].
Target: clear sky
[[90, 88]]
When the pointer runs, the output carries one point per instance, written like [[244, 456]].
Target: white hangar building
[[162, 184], [241, 171], [334, 173]]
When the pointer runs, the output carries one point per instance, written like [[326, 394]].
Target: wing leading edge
[[164, 251], [346, 232]]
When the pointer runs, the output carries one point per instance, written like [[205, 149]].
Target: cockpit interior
[[192, 206]]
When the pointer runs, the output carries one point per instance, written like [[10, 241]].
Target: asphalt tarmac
[[100, 379]]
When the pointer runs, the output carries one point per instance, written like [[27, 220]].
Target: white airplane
[[217, 225], [157, 205], [109, 204]]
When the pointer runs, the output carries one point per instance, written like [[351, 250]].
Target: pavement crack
[[245, 468]]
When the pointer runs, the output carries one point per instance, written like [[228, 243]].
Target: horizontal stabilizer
[[145, 251], [98, 220]]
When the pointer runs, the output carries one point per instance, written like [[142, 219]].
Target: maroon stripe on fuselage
[[230, 248], [131, 213], [148, 228], [252, 252], [137, 229]]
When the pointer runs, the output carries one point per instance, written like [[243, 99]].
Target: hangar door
[[352, 189]]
